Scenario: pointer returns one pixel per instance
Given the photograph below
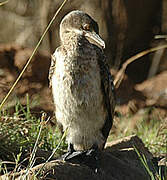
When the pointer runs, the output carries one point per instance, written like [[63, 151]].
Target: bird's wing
[[52, 68], [108, 92]]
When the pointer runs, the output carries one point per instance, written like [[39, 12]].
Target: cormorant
[[82, 87]]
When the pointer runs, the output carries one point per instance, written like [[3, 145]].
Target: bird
[[82, 86]]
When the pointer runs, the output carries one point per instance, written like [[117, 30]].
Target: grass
[[23, 132], [148, 124], [158, 175], [21, 129]]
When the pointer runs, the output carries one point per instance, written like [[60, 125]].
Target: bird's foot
[[93, 159], [75, 156], [69, 154], [90, 158]]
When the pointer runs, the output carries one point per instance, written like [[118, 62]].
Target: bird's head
[[82, 24]]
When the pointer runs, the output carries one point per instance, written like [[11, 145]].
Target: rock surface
[[119, 162]]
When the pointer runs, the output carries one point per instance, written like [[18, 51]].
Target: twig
[[2, 3], [155, 62], [121, 72]]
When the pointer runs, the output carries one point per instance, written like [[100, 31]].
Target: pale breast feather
[[56, 55], [52, 68]]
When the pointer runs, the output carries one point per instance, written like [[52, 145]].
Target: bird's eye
[[86, 27]]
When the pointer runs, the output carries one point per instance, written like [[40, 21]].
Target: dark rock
[[119, 161]]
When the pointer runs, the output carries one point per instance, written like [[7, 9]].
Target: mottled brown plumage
[[81, 83]]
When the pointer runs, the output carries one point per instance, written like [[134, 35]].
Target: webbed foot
[[69, 153], [90, 158]]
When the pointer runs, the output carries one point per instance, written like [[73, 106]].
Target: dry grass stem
[[121, 72], [4, 2]]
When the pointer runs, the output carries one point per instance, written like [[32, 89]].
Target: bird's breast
[[76, 82], [80, 80]]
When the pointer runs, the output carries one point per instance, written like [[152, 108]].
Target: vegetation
[[148, 124], [20, 131]]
